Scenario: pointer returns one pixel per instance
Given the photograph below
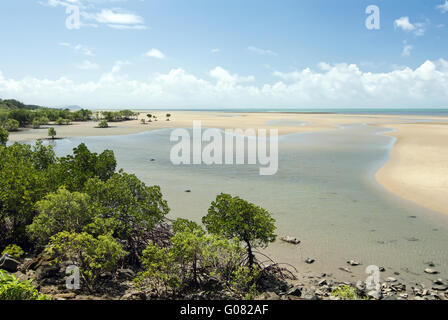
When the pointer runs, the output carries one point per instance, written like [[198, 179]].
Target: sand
[[418, 167], [417, 170]]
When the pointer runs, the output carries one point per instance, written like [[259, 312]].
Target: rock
[[439, 282], [64, 296], [322, 283], [268, 296], [431, 271], [295, 291], [188, 191], [46, 271], [382, 269], [134, 295], [440, 288], [353, 263], [8, 263], [391, 279], [291, 240], [375, 294], [310, 260], [430, 264], [396, 273], [126, 274], [345, 269], [361, 286]]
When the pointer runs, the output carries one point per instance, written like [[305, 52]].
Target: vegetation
[[14, 251], [103, 124], [234, 217], [116, 116], [78, 208], [4, 134], [13, 289], [51, 132], [346, 293], [36, 124], [12, 125]]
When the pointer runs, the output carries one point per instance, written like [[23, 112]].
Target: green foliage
[[4, 134], [234, 217], [103, 124], [43, 120], [94, 256], [13, 289], [60, 211], [12, 125], [346, 293], [194, 258], [134, 206], [160, 270], [24, 180], [243, 281], [76, 169], [143, 121], [14, 251], [36, 124], [115, 116], [51, 132]]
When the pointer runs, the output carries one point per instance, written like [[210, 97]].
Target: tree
[[149, 117], [94, 256], [143, 121], [234, 217], [60, 211], [4, 134], [103, 124], [135, 207], [51, 132], [36, 124], [12, 125], [168, 115], [60, 122]]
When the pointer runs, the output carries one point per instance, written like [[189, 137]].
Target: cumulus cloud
[[443, 7], [407, 50], [262, 52], [334, 85], [155, 53], [405, 24]]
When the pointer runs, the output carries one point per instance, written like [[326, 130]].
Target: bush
[[243, 281], [94, 256], [12, 125], [13, 289], [60, 211], [51, 132], [14, 251], [4, 134], [234, 217], [36, 124], [346, 293], [103, 124]]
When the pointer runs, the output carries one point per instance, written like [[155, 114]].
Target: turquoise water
[[324, 194]]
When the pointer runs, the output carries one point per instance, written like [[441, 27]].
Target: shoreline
[[416, 170]]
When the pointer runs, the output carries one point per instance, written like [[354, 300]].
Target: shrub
[[36, 124], [346, 293], [234, 217], [60, 211], [103, 124], [60, 122], [94, 256], [12, 125], [51, 132], [243, 281], [44, 120], [4, 134], [13, 289], [14, 251]]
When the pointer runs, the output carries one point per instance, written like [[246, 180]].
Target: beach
[[417, 170]]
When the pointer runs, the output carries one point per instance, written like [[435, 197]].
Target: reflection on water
[[324, 194]]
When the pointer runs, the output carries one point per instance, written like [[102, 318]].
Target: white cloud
[[262, 52], [155, 53], [339, 85], [109, 16], [405, 24], [406, 50], [87, 65], [78, 48], [443, 7], [215, 50]]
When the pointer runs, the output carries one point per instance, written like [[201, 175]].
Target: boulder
[[8, 263], [46, 271], [431, 271], [375, 294], [126, 274], [291, 240], [310, 260], [295, 291]]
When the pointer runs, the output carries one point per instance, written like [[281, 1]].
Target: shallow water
[[324, 194]]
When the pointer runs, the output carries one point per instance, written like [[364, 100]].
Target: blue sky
[[232, 53]]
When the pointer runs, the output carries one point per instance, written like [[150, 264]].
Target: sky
[[225, 53]]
